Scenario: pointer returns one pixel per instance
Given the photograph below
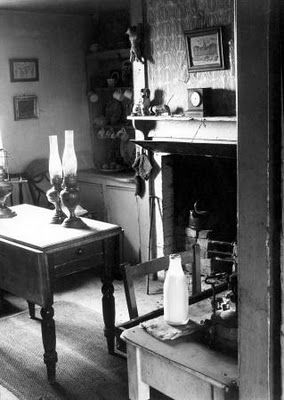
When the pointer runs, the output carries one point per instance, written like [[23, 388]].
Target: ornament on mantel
[[134, 35]]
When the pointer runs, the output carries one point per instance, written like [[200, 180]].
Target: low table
[[33, 253], [181, 370]]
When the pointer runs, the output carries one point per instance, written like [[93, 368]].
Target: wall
[[59, 42], [168, 75]]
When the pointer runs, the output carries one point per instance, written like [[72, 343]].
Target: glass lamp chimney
[[69, 159], [55, 167]]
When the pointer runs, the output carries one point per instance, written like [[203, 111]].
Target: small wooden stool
[[182, 371]]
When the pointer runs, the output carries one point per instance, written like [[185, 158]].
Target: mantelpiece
[[181, 118], [223, 150], [211, 136]]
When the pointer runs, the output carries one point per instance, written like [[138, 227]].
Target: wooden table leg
[[49, 341], [111, 261]]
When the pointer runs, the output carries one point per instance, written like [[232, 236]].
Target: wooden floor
[[85, 289]]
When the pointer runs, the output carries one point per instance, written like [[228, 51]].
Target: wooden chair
[[187, 369], [36, 173], [191, 263]]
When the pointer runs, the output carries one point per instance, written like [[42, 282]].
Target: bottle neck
[[175, 263]]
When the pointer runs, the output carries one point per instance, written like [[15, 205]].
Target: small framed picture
[[25, 107], [24, 69], [204, 49]]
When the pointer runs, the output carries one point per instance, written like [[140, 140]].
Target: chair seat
[[182, 370]]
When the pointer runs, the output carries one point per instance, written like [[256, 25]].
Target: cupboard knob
[[79, 252]]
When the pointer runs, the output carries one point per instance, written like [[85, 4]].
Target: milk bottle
[[175, 293]]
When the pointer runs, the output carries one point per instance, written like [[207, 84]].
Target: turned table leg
[[111, 262], [108, 314], [49, 341]]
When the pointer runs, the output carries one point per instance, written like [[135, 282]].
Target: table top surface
[[31, 227], [222, 369]]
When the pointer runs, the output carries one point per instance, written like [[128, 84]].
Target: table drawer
[[77, 253]]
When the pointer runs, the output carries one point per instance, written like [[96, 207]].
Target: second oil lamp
[[55, 175], [70, 194]]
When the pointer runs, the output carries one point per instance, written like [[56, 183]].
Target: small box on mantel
[[199, 102]]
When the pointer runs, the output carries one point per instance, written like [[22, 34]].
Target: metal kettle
[[197, 218]]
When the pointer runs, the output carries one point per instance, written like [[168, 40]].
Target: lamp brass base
[[74, 222], [6, 189], [70, 198], [58, 217], [53, 196], [6, 212]]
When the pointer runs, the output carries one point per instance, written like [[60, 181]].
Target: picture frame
[[25, 107], [204, 48], [24, 69]]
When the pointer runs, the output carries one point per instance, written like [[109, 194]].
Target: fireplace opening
[[209, 181]]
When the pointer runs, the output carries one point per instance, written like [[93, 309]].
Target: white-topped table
[[33, 253]]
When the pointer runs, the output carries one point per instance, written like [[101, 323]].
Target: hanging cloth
[[142, 167]]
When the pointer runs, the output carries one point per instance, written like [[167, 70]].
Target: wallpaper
[[168, 76]]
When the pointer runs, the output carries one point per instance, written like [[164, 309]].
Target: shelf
[[109, 54], [209, 149], [214, 130], [181, 118]]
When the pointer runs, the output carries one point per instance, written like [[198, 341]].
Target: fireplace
[[208, 181], [196, 162]]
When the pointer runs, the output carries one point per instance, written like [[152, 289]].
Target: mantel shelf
[[208, 149], [182, 118]]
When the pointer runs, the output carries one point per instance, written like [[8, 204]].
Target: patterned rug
[[85, 370]]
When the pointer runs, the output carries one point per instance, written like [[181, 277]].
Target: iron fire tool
[[221, 330]]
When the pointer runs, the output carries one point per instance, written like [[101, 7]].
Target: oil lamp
[[70, 194], [55, 175], [6, 186]]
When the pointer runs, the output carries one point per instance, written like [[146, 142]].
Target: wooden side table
[[33, 253], [184, 370]]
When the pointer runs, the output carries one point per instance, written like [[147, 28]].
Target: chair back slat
[[157, 264]]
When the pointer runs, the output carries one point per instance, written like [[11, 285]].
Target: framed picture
[[24, 69], [204, 49], [25, 107]]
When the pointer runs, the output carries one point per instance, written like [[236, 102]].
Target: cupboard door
[[92, 199], [122, 210]]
